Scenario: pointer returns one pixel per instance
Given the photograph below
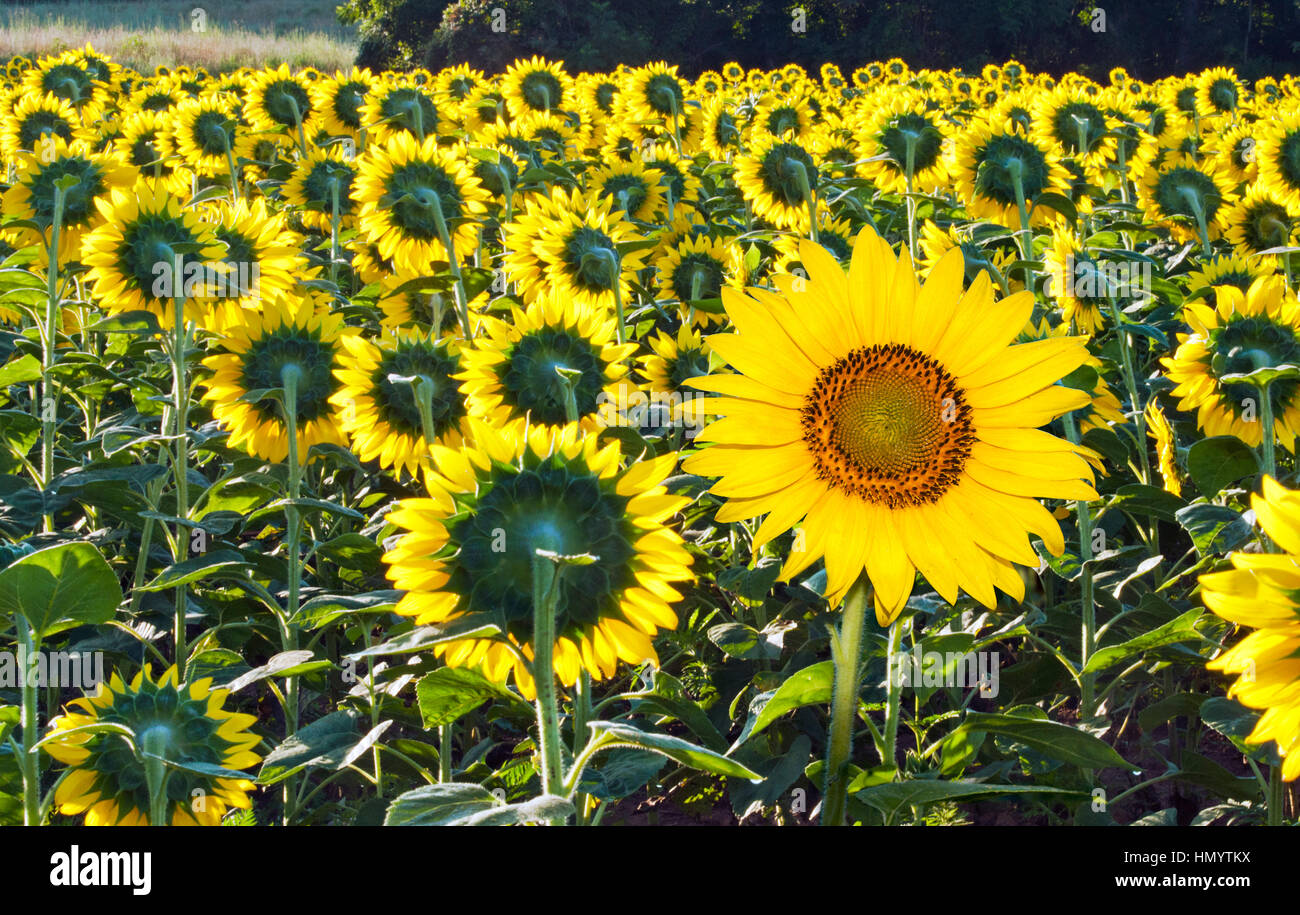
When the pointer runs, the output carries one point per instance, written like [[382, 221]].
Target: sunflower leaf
[[615, 734], [60, 587]]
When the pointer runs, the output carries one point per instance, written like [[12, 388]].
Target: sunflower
[[33, 195], [983, 171], [106, 781], [1279, 160], [263, 256], [1077, 126], [1158, 428], [536, 85], [144, 236], [205, 131], [1181, 191], [458, 81], [1218, 92], [1237, 152], [897, 423], [672, 361], [35, 117], [778, 177], [1259, 221], [885, 141], [935, 242], [291, 330], [554, 135], [402, 186], [280, 101], [630, 187], [1241, 334], [1228, 270], [570, 242], [469, 548], [316, 180], [1076, 284], [397, 106], [697, 267], [653, 93], [782, 117], [1260, 592], [144, 141], [340, 99], [511, 377], [68, 78], [381, 414]]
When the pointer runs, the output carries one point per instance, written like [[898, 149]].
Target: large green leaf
[[1059, 741], [810, 686], [616, 734], [60, 587], [894, 797], [202, 566], [1177, 630], [1218, 461], [1213, 528], [450, 692], [439, 805], [322, 743]]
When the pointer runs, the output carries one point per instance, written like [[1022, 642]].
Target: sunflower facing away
[[292, 329], [1244, 332], [1260, 591], [380, 412], [107, 783], [469, 548], [895, 424]]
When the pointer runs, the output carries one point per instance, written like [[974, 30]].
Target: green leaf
[[615, 734], [1059, 741], [1200, 770], [1185, 705], [545, 809], [621, 773], [352, 551], [1177, 630], [810, 686], [439, 805], [1236, 722], [470, 626], [321, 743], [203, 566], [284, 664], [450, 692], [1138, 499], [1214, 463], [894, 797], [326, 608], [22, 370], [1213, 528], [744, 642], [60, 587]]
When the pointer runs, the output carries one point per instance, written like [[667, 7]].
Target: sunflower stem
[[1024, 234], [909, 169], [846, 655], [1130, 382], [581, 715], [290, 375], [893, 697], [445, 737], [1275, 796], [1268, 436], [1089, 634], [334, 230], [462, 300], [29, 644], [49, 404], [805, 187], [180, 469], [153, 747], [546, 582]]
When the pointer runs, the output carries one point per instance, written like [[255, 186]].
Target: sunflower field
[[892, 447]]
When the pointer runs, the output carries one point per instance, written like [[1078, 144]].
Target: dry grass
[[145, 35]]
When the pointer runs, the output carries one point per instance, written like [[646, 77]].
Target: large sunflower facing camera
[[894, 424]]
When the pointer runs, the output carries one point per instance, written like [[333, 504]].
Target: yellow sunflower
[[256, 347], [895, 425], [511, 377], [106, 781], [987, 157], [1279, 159], [1260, 592], [1158, 428], [1243, 333], [402, 188], [468, 550]]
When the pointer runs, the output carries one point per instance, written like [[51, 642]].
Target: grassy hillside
[[221, 36]]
